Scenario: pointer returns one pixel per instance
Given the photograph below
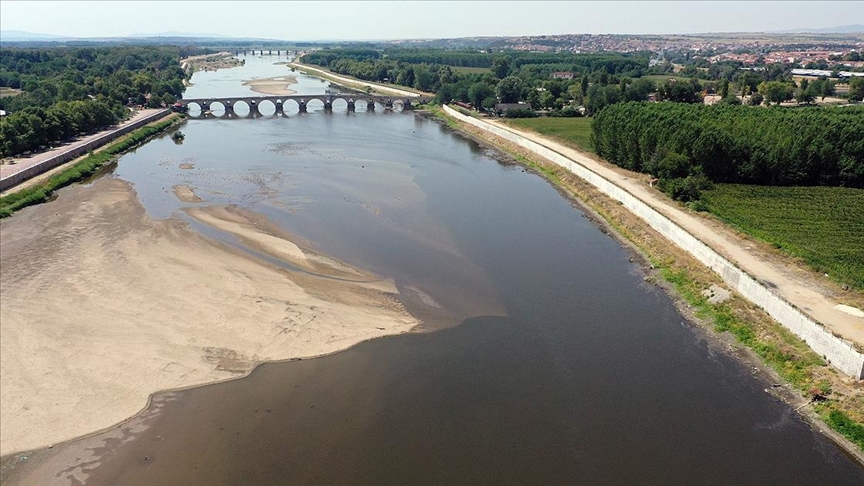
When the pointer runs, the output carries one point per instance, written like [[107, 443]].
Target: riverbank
[[17, 170], [356, 83], [40, 188], [210, 62], [824, 397], [103, 306]]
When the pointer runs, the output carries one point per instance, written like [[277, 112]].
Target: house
[[562, 75], [501, 108]]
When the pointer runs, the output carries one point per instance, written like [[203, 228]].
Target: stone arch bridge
[[279, 102]]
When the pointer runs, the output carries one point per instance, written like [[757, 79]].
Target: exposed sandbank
[[186, 194], [103, 306], [276, 86]]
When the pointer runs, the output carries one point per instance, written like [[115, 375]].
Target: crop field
[[575, 132], [822, 225]]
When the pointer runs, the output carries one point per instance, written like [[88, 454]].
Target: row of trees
[[36, 126], [697, 143], [599, 79], [82, 89], [510, 77]]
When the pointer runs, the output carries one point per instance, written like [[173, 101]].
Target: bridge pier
[[388, 104], [328, 105], [350, 105], [302, 104], [406, 105], [280, 109], [370, 105]]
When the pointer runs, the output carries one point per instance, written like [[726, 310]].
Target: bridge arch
[[217, 108], [290, 106], [340, 103], [240, 107], [267, 107], [195, 106], [314, 103]]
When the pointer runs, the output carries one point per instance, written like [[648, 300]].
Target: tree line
[[688, 146], [511, 77], [67, 91]]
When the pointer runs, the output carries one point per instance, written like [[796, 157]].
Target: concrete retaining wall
[[835, 350], [65, 156]]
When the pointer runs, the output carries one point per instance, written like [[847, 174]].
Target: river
[[548, 359]]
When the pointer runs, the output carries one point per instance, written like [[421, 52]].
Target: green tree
[[856, 88], [501, 66], [724, 88], [775, 91], [828, 89], [479, 92], [509, 89]]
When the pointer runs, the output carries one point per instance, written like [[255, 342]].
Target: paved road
[[22, 163], [797, 288]]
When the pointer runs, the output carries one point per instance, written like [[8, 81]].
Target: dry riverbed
[[103, 306]]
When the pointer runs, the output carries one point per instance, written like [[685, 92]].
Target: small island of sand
[[186, 194], [277, 85]]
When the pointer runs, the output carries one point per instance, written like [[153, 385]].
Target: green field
[[575, 132], [661, 78], [470, 70], [822, 225], [6, 91]]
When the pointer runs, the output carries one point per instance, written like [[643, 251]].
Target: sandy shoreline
[[276, 86], [103, 306]]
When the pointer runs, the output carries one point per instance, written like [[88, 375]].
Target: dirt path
[[796, 287]]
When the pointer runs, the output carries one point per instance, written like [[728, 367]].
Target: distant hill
[[20, 35], [184, 35], [843, 29]]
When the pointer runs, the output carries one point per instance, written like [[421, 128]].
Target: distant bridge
[[254, 102]]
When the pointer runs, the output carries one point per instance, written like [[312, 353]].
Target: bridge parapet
[[351, 99]]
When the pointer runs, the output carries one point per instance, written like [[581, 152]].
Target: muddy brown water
[[565, 367]]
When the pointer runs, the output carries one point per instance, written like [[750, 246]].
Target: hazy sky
[[401, 20]]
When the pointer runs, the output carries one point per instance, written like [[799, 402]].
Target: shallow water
[[568, 367]]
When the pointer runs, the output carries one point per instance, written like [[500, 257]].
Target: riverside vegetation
[[82, 169], [836, 404], [69, 91]]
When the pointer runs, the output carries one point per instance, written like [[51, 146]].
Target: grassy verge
[[574, 132], [81, 169], [840, 404], [822, 225]]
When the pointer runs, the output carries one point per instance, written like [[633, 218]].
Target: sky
[[319, 20]]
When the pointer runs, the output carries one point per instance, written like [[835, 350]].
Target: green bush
[[685, 189]]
